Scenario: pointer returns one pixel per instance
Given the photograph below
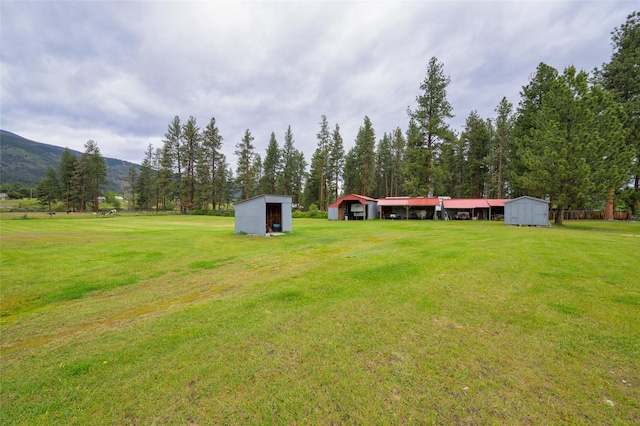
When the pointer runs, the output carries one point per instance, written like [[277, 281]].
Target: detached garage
[[526, 211], [263, 215]]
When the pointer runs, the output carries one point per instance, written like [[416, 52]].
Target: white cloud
[[118, 72]]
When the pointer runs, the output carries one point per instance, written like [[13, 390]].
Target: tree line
[[573, 139]]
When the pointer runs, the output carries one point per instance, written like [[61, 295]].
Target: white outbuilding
[[526, 211]]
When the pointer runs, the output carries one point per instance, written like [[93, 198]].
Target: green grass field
[[176, 320]]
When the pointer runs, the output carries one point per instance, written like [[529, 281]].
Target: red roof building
[[408, 208], [474, 208]]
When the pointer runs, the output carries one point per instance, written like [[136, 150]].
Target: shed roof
[[407, 201], [268, 199], [526, 197], [352, 197]]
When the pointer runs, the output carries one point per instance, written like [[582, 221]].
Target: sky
[[118, 72]]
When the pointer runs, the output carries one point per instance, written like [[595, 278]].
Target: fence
[[589, 215]]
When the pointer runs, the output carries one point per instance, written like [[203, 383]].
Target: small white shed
[[263, 215], [526, 211]]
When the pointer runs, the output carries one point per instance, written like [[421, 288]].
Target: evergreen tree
[[502, 139], [48, 189], [430, 117], [383, 167], [613, 159], [566, 153], [351, 172], [92, 174], [165, 174], [299, 176], [144, 184], [257, 172], [271, 167], [477, 138], [531, 99], [622, 76], [397, 162], [288, 164], [190, 155], [335, 165], [245, 171], [415, 159], [130, 186], [68, 163], [173, 141], [320, 160], [211, 165], [313, 180], [365, 157], [231, 189]]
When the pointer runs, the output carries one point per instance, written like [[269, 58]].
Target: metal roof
[[497, 202], [473, 203], [352, 197], [406, 201]]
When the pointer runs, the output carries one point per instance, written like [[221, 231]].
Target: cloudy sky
[[118, 72]]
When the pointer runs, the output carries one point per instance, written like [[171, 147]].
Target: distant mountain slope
[[25, 161]]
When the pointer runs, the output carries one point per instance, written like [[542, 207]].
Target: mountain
[[25, 161]]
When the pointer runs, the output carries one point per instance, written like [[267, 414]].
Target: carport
[[353, 207], [408, 208], [477, 208]]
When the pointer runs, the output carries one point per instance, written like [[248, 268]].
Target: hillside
[[25, 161]]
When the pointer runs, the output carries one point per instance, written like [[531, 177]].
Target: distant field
[[177, 320]]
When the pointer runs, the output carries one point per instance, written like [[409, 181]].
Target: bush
[[317, 214], [223, 213]]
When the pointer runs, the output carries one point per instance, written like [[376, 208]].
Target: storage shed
[[353, 207], [526, 211], [263, 215]]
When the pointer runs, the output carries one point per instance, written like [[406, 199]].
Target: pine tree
[[244, 171], [335, 164], [526, 119], [48, 189], [415, 173], [321, 158], [288, 164], [271, 168], [622, 76], [365, 157], [398, 144], [67, 165], [190, 155], [144, 184], [173, 149], [95, 169], [384, 167], [211, 165], [477, 138], [572, 146], [299, 176], [430, 117], [502, 139], [130, 186]]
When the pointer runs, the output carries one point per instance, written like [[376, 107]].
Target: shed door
[[274, 217]]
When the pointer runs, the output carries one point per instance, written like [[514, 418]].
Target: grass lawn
[[177, 320]]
